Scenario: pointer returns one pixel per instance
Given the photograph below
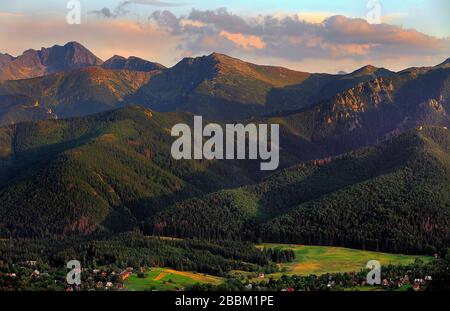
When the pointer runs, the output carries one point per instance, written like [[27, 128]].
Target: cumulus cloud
[[123, 8], [246, 42], [105, 12], [155, 3], [292, 38]]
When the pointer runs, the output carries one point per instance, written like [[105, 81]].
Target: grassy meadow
[[168, 279], [308, 260], [329, 259]]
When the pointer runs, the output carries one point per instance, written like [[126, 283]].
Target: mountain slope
[[372, 111], [113, 171], [80, 91], [34, 63], [393, 196], [214, 84], [221, 87], [19, 108], [105, 171]]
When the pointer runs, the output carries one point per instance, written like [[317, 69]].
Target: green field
[[168, 279], [328, 259], [308, 260]]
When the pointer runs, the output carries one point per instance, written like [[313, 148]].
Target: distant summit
[[372, 70], [70, 56], [33, 63], [131, 63]]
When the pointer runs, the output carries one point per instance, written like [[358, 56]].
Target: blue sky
[[415, 32]]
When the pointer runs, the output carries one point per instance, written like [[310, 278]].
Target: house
[[405, 280], [428, 278], [124, 275], [109, 284], [35, 274], [261, 275]]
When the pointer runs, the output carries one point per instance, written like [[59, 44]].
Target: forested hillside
[[106, 170], [113, 172], [393, 196]]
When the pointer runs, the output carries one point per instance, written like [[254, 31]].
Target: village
[[32, 275]]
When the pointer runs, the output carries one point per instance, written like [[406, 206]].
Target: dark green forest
[[393, 197], [112, 172], [132, 249]]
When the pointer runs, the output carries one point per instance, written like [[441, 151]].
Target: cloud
[[292, 38], [169, 21], [123, 8], [105, 12], [155, 3], [246, 42], [8, 14]]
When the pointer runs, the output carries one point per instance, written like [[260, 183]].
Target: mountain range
[[217, 86], [85, 147]]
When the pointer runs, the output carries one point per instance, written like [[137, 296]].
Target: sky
[[307, 35]]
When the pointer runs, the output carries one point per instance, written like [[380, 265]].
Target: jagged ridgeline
[[113, 172], [70, 81]]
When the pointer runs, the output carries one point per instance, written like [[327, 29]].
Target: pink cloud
[[244, 41]]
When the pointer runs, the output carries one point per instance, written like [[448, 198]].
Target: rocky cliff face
[[362, 98]]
